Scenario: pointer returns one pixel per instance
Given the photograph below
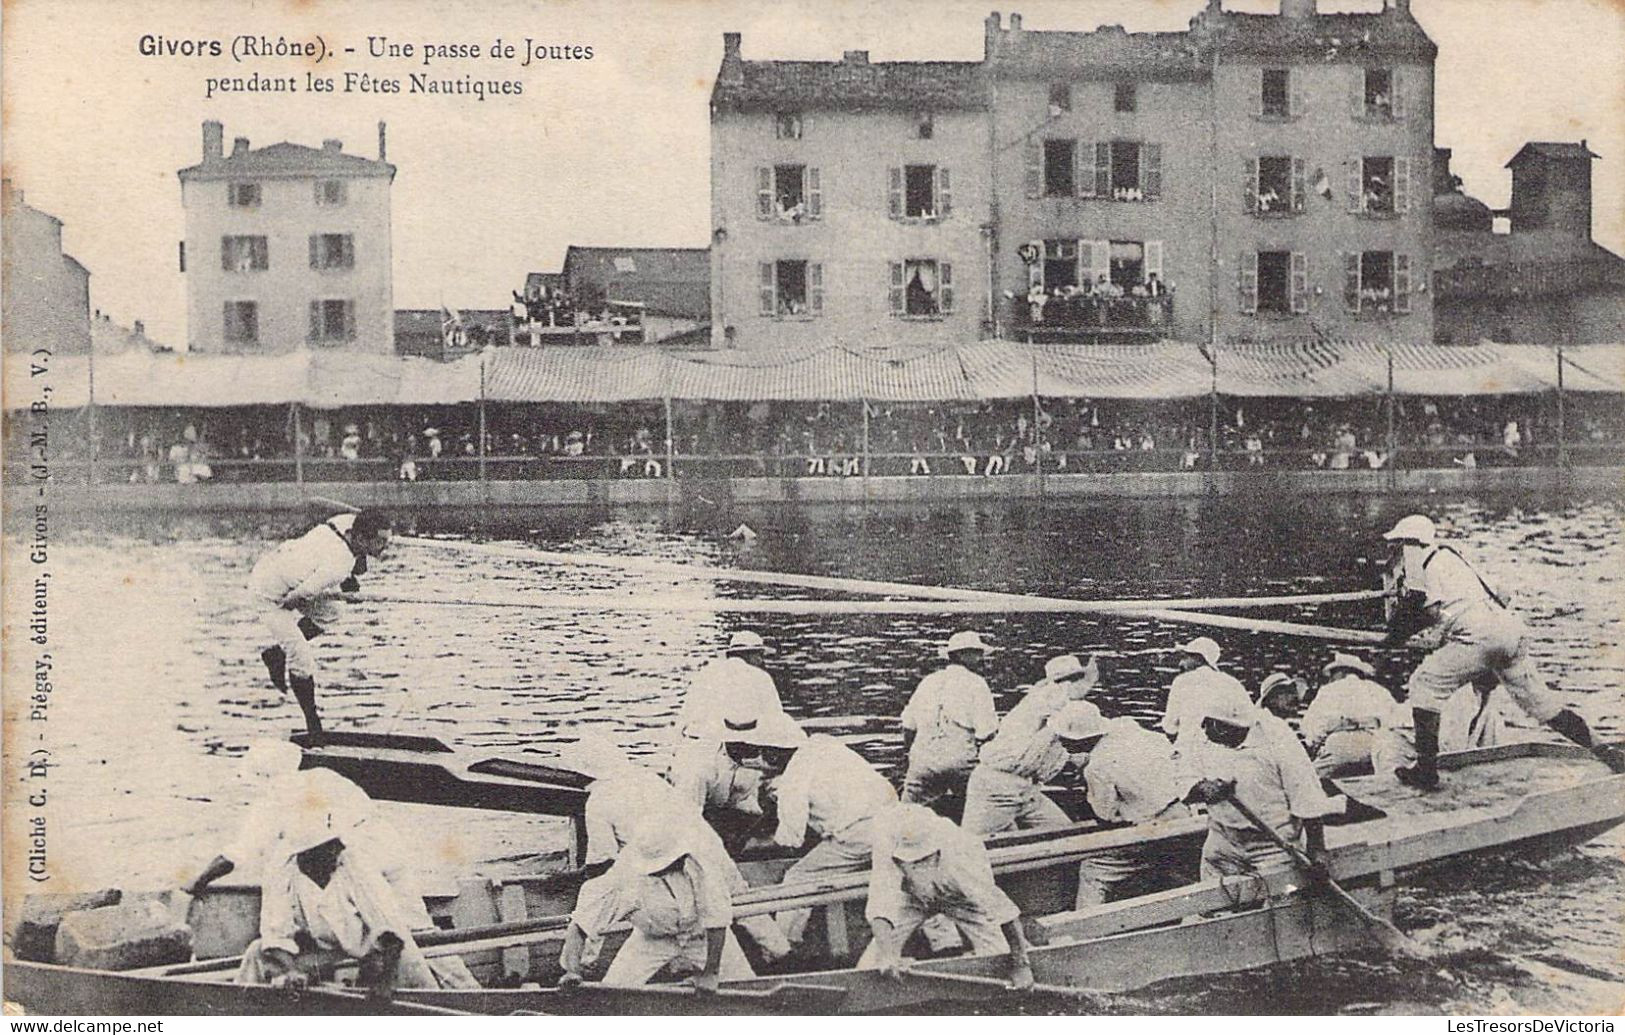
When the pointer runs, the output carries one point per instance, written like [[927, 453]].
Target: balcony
[[1526, 279], [1088, 319]]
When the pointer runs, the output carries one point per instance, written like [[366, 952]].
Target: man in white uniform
[[925, 867], [708, 779], [949, 716], [1198, 684], [1483, 639], [291, 584], [736, 679], [1344, 724]]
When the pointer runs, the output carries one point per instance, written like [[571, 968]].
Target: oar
[[1395, 940], [986, 985]]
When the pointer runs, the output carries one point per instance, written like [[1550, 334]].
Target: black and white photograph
[[1113, 508]]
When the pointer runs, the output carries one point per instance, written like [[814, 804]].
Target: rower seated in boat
[[622, 795], [325, 904], [1199, 684], [1343, 725], [925, 867], [947, 718], [1006, 792], [728, 794], [1265, 769], [738, 677], [667, 885], [1132, 779]]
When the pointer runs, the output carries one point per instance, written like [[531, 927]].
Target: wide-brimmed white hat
[[312, 826], [1273, 682], [1203, 647], [745, 640], [1065, 667], [1077, 720], [1229, 708], [1418, 528], [964, 640], [1350, 663], [656, 843], [914, 831], [773, 729], [595, 755]]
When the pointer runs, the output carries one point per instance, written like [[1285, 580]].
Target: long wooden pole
[[298, 446], [1390, 441], [483, 435], [1562, 434], [671, 443]]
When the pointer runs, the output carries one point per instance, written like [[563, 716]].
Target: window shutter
[[321, 198], [1035, 270], [1299, 184], [315, 333], [815, 286], [1151, 170], [1357, 91], [1300, 282], [228, 321], [183, 256], [1402, 184], [815, 193], [1035, 169], [945, 192], [764, 192], [1398, 82], [1351, 281], [1297, 101], [1356, 195], [945, 286], [1153, 259], [1100, 260], [766, 281], [1259, 93], [1084, 175], [1249, 185], [1247, 281], [894, 200], [225, 254], [315, 252], [349, 321], [1402, 283], [349, 251], [896, 299], [1103, 169]]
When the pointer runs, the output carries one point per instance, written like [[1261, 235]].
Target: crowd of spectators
[[985, 439]]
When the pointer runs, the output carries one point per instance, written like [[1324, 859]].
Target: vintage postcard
[[535, 507]]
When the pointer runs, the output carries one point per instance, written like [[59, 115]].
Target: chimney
[[855, 57], [1298, 8], [213, 136], [1015, 22], [140, 329], [383, 151], [1402, 6], [239, 146], [733, 67], [994, 23], [332, 146]]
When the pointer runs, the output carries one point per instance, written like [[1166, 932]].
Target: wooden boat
[[1520, 797]]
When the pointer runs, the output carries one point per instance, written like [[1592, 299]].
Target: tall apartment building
[[1255, 177], [287, 247]]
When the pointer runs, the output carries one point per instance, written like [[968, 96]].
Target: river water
[[158, 683]]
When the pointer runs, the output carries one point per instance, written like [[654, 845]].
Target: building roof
[[1455, 210], [1108, 50], [852, 84], [1550, 149], [1330, 36], [286, 160], [665, 281]]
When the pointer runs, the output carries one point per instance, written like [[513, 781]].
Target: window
[[1060, 176], [792, 287], [787, 126], [922, 288], [1127, 264], [789, 193], [243, 254], [243, 195], [332, 251], [1124, 98], [1060, 264], [919, 192], [1274, 282], [1379, 93], [924, 127], [1377, 282], [332, 319], [242, 322], [1274, 101], [1377, 185], [332, 192], [183, 256], [1125, 167], [1060, 98], [1275, 185]]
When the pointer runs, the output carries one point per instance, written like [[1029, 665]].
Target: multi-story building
[[287, 247], [1255, 177], [850, 202], [46, 292]]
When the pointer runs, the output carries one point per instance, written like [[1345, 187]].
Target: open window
[[241, 322], [332, 319], [1275, 96], [919, 191], [243, 195], [1377, 282], [1127, 264], [1125, 168], [1379, 93], [1060, 171], [1060, 98], [792, 287], [922, 288], [332, 192], [787, 125], [790, 193], [1274, 282], [1377, 185], [244, 254], [1060, 264], [332, 251]]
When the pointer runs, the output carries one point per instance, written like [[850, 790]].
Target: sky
[[615, 150]]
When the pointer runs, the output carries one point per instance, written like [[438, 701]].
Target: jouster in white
[[1198, 685], [949, 716], [735, 680], [1343, 725]]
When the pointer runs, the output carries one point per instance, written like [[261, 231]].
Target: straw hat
[[1064, 668], [1415, 528], [1349, 663], [271, 758], [746, 640], [964, 641], [310, 827], [772, 729], [916, 832], [1203, 647], [1272, 683]]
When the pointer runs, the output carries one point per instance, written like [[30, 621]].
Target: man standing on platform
[[295, 583], [945, 722], [1483, 639]]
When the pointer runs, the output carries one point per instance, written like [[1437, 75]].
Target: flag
[[1323, 184]]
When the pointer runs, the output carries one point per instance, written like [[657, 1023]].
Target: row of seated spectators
[[827, 439]]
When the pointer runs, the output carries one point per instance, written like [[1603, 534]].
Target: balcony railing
[[1089, 317], [1525, 279]]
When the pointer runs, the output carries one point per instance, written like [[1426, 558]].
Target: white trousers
[[846, 852], [996, 801], [642, 956]]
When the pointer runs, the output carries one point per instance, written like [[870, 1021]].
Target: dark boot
[[1568, 723], [304, 691], [1424, 775], [276, 663]]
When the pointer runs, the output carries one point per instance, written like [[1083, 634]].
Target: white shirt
[[616, 803], [254, 848], [1450, 584], [720, 688], [681, 904], [960, 886], [1188, 700], [826, 788], [1350, 702], [1273, 777], [951, 712], [705, 777], [1025, 746], [1131, 773], [349, 914], [304, 568]]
